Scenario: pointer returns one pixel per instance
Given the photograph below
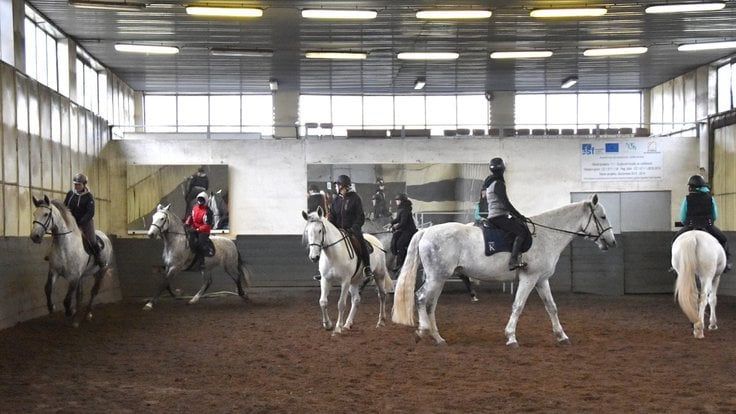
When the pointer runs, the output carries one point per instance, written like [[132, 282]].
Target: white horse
[[178, 256], [454, 248], [697, 254], [338, 262], [67, 257]]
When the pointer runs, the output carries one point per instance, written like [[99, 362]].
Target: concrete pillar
[[285, 113], [502, 109]]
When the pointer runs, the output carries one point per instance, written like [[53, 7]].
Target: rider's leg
[[515, 261]]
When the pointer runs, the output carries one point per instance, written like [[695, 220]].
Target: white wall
[[268, 178]]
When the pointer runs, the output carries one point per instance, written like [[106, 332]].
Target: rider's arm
[[715, 210], [683, 210], [500, 190]]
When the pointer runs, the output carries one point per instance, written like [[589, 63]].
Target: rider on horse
[[200, 223], [403, 227], [699, 211], [81, 203], [380, 205], [347, 214], [502, 213]]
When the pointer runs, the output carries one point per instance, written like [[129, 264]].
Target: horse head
[[159, 222], [597, 226], [314, 233], [43, 219]]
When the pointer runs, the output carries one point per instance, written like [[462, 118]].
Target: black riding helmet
[[401, 196], [497, 166], [80, 178], [696, 181], [343, 180]]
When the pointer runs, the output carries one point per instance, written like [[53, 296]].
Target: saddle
[[357, 246], [496, 239]]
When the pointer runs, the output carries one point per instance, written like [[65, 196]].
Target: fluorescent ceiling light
[[574, 12], [241, 52], [685, 7], [453, 14], [157, 50], [336, 55], [525, 54], [419, 83], [615, 51], [107, 5], [706, 46], [428, 55], [273, 84], [569, 82], [338, 14], [224, 11]]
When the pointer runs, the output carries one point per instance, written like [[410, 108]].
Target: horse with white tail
[[698, 257], [178, 256], [454, 248], [339, 263], [67, 256]]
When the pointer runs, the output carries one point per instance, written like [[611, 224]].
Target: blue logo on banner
[[588, 149], [612, 147]]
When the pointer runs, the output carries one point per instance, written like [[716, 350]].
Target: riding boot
[[515, 261], [97, 254], [729, 265]]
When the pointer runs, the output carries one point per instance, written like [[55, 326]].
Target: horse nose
[[315, 259], [35, 238]]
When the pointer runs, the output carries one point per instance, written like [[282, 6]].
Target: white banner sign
[[621, 160]]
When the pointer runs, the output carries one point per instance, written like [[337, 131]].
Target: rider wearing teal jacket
[[699, 211]]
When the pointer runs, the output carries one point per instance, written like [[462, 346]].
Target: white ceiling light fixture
[[419, 83], [693, 47], [569, 82], [241, 52], [336, 55], [616, 51], [568, 12], [428, 55], [224, 11], [522, 54], [339, 14], [273, 84], [685, 7], [453, 14], [153, 50], [107, 5]]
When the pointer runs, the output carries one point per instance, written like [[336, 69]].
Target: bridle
[[322, 245], [164, 227], [49, 223], [592, 218]]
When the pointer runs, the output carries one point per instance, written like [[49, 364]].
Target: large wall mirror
[[439, 192], [178, 186]]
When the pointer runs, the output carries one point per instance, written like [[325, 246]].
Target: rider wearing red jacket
[[200, 222]]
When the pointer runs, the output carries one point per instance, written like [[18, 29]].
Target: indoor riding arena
[[614, 124]]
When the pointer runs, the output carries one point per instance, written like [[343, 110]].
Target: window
[[562, 111], [41, 52], [725, 86], [192, 113], [529, 111], [160, 113], [379, 111], [258, 114], [441, 113], [225, 113], [410, 111]]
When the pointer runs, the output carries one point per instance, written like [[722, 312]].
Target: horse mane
[[558, 209], [66, 214]]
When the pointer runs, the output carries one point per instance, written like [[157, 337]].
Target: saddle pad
[[494, 241]]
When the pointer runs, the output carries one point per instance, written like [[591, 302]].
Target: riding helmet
[[401, 196], [497, 166], [696, 181], [343, 180], [203, 196], [80, 179], [379, 181]]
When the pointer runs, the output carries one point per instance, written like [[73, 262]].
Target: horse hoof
[[474, 299], [513, 344], [417, 336], [148, 307], [713, 327], [327, 326], [442, 343], [75, 324], [380, 324], [565, 341], [89, 316]]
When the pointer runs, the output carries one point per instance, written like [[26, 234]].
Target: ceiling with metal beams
[[396, 29]]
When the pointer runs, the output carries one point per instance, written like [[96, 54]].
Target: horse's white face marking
[[159, 224], [606, 239], [315, 236], [41, 216]]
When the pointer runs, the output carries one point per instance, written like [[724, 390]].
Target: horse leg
[[95, 289], [164, 285], [468, 285], [207, 281], [341, 303], [712, 301], [549, 304], [354, 292], [431, 308], [79, 295], [522, 293], [427, 297], [50, 280], [325, 290], [382, 301], [702, 301], [71, 290]]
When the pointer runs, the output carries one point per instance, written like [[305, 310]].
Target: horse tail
[[686, 290], [403, 311], [243, 271]]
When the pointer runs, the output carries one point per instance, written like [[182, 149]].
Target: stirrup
[[518, 265]]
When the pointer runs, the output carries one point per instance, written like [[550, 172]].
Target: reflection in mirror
[[439, 192], [177, 185]]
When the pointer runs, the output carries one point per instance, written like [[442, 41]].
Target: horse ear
[[320, 213], [46, 199], [304, 214], [167, 207], [159, 207], [595, 199]]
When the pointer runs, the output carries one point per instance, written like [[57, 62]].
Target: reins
[[584, 233], [321, 244], [50, 223]]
